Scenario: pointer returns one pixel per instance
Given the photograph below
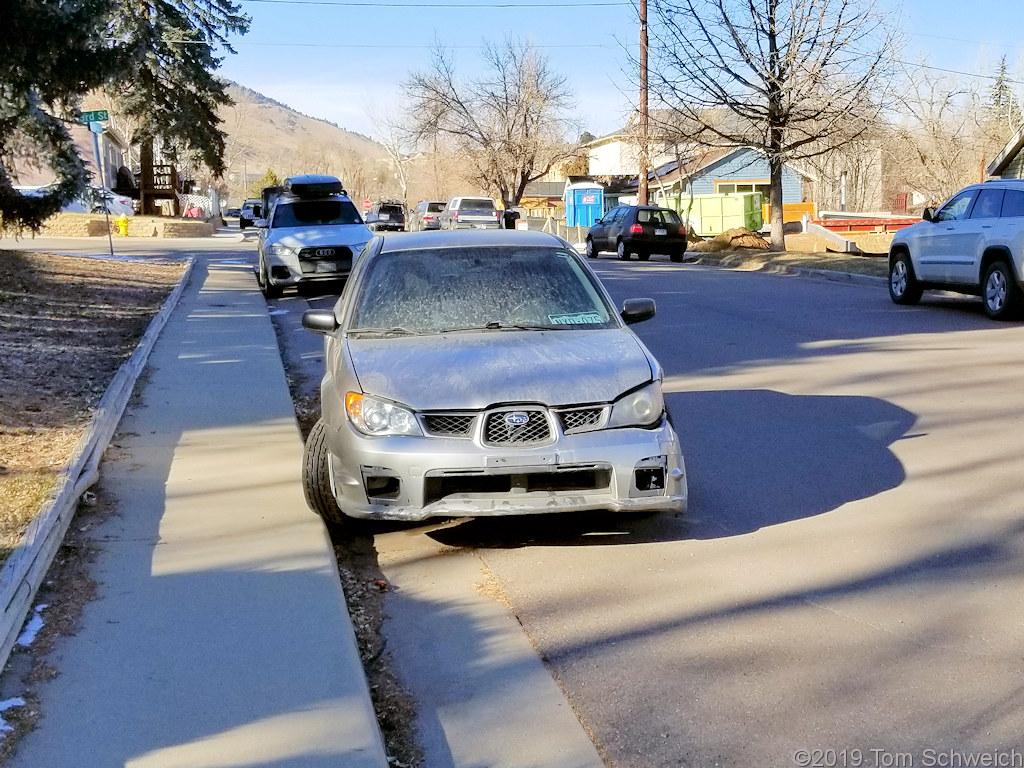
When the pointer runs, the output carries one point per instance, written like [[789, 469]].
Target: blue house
[[724, 171]]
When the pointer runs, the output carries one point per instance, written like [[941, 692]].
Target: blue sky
[[340, 62]]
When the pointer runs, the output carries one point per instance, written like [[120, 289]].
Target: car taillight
[[636, 229], [455, 215], [428, 218]]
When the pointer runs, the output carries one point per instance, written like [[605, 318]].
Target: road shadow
[[755, 458]]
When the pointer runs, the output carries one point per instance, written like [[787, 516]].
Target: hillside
[[263, 133]]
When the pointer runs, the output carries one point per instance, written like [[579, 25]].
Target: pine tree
[[1003, 106], [39, 92], [270, 179], [174, 93]]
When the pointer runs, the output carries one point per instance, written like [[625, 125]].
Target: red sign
[[588, 199], [366, 205]]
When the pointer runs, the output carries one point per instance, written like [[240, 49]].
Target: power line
[[464, 6]]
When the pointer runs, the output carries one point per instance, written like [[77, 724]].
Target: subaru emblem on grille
[[516, 418], [324, 251]]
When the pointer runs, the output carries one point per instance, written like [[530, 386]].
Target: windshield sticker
[[579, 318]]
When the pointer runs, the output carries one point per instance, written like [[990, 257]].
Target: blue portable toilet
[[584, 203]]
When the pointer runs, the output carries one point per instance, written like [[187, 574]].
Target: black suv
[[639, 229], [386, 217]]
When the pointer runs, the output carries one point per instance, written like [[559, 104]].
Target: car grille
[[340, 254], [448, 424], [499, 429], [581, 419]]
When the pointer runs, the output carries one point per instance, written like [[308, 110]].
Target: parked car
[[386, 216], [232, 213], [93, 200], [973, 244], [470, 213], [639, 229], [313, 235], [486, 373], [425, 216], [251, 210]]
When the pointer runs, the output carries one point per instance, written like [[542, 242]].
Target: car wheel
[[643, 256], [677, 256], [903, 286], [1000, 292], [316, 481], [243, 223], [591, 249], [268, 290], [620, 249]]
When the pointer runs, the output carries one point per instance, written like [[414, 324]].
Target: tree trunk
[[775, 202]]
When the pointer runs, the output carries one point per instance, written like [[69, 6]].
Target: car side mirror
[[928, 214], [260, 223], [637, 310], [319, 320], [597, 221]]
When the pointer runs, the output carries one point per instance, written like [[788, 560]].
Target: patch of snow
[[4, 706], [28, 635]]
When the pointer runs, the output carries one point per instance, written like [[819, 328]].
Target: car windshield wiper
[[496, 326], [396, 331]]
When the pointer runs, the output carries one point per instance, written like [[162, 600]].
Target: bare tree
[[392, 133], [791, 78], [509, 121]]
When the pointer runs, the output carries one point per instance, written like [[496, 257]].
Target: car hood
[[477, 369], [305, 237]]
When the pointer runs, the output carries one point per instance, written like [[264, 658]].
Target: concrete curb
[[25, 569], [821, 274]]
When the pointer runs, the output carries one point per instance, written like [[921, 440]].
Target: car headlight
[[372, 416], [282, 251], [640, 408]]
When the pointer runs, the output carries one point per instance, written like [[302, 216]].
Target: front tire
[[268, 290], [903, 286], [316, 480], [622, 251], [1000, 292], [591, 248]]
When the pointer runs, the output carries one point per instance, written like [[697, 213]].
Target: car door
[[599, 230], [972, 235], [938, 244], [610, 227]]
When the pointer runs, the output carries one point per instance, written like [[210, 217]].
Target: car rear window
[[476, 204], [392, 210], [645, 216], [432, 290], [1013, 203], [435, 207], [307, 213]]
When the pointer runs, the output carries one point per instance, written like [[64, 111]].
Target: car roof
[[468, 238]]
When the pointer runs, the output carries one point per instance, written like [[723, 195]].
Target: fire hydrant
[[122, 225]]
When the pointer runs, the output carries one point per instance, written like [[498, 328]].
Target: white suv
[[973, 244], [470, 213], [312, 233]]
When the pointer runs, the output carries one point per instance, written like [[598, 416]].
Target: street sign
[[94, 117], [366, 205]]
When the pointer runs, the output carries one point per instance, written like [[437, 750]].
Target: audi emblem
[[324, 252], [517, 418]]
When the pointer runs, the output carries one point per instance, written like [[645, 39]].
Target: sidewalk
[[220, 636]]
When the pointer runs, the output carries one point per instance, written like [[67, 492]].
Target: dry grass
[[66, 325]]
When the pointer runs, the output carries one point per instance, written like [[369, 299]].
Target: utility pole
[[644, 118]]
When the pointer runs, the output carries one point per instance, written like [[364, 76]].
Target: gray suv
[[973, 244]]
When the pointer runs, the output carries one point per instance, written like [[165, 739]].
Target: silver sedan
[[486, 373]]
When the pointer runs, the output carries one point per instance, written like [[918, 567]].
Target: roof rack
[[313, 185]]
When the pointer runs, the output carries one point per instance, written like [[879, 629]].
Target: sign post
[[95, 120]]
